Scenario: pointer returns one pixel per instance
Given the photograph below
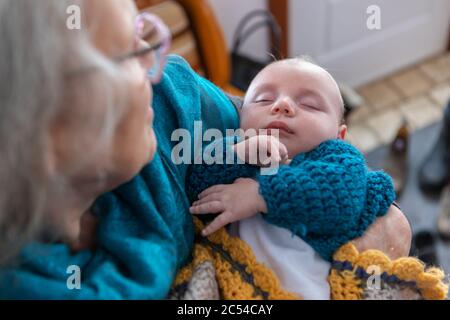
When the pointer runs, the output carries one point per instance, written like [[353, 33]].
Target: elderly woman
[[75, 124]]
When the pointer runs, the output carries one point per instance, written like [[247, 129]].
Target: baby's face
[[300, 99]]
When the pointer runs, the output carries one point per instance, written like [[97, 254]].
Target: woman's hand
[[390, 234], [233, 202], [262, 150]]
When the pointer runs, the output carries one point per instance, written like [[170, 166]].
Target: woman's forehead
[[96, 9], [111, 23]]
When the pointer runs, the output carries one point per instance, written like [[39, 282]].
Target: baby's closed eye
[[309, 103], [264, 97]]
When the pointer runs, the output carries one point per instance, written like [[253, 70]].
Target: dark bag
[[244, 68]]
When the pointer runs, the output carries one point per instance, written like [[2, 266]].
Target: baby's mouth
[[280, 126]]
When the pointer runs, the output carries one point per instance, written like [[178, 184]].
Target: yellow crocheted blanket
[[224, 267]]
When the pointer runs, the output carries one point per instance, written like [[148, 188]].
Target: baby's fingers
[[209, 207], [208, 198], [219, 222], [283, 153], [275, 151], [272, 155], [210, 190]]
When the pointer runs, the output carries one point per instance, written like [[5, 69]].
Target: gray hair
[[36, 52]]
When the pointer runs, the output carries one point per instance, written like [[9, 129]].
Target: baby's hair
[[299, 58], [305, 58], [274, 58]]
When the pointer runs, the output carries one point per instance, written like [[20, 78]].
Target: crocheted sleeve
[[326, 196], [219, 165]]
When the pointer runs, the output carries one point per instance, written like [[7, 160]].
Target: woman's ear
[[342, 132]]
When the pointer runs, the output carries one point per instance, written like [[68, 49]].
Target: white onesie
[[298, 267]]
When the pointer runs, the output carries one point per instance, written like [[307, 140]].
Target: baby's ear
[[342, 132]]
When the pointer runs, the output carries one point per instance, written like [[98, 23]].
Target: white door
[[336, 34]]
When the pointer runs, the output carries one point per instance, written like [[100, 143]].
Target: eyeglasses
[[152, 44], [153, 40]]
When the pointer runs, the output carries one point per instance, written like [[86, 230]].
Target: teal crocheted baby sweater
[[327, 196]]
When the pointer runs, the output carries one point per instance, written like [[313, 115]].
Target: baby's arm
[[203, 175], [237, 159], [232, 202], [212, 184], [327, 196]]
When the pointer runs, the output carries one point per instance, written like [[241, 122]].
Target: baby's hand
[[262, 150], [233, 202]]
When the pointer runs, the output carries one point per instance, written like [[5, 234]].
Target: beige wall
[[230, 12]]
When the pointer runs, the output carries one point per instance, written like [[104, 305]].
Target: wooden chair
[[197, 37]]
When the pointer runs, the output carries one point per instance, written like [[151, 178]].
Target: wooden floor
[[422, 210], [418, 93]]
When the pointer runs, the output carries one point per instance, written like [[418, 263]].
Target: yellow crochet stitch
[[240, 276], [228, 254], [347, 285]]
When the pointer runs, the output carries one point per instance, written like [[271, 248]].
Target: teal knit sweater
[[326, 196], [146, 231]]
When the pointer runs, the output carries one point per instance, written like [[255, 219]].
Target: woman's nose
[[283, 106], [147, 61]]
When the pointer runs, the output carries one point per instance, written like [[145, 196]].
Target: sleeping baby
[[322, 194]]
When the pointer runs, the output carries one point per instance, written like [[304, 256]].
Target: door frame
[[448, 45], [279, 9]]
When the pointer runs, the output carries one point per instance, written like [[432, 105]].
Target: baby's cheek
[[311, 134], [253, 119], [249, 120], [325, 128]]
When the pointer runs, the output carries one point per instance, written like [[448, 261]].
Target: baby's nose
[[284, 106]]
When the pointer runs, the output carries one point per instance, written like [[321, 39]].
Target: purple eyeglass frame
[[163, 46]]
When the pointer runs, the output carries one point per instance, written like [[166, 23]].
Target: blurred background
[[391, 59]]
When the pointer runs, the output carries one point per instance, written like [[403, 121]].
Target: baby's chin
[[296, 148]]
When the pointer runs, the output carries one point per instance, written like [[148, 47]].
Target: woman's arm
[[390, 234]]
